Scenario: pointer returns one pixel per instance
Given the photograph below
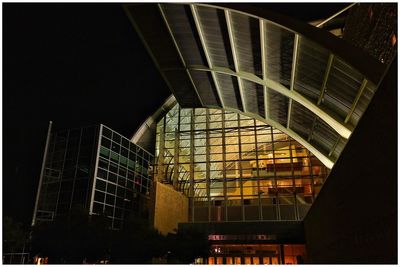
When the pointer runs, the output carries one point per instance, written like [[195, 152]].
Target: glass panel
[[230, 94], [234, 173], [245, 31], [312, 61], [279, 53]]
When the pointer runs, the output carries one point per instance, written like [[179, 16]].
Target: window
[[234, 163], [100, 185], [111, 188], [99, 196], [107, 132], [104, 152], [100, 172]]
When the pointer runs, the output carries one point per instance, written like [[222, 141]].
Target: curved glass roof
[[216, 57]]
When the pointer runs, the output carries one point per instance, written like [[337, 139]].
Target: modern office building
[[97, 169], [256, 147]]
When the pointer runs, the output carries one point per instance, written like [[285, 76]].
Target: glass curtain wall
[[66, 178], [235, 168], [123, 178]]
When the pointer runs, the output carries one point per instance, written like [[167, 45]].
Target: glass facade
[[123, 178], [66, 178], [235, 168], [97, 169]]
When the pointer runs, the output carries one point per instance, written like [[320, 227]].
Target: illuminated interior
[[255, 254], [235, 168]]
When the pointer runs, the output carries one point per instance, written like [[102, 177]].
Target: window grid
[[66, 176], [248, 171], [123, 176]]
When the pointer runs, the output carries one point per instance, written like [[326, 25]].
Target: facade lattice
[[97, 169], [235, 168]]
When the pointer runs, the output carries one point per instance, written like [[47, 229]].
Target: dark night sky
[[77, 64]]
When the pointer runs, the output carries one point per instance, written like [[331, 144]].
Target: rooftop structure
[[263, 66], [252, 84]]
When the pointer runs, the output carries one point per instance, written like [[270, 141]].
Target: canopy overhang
[[300, 79]]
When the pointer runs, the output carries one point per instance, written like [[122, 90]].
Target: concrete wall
[[170, 208], [354, 218]]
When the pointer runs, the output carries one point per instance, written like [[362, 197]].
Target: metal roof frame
[[325, 108]]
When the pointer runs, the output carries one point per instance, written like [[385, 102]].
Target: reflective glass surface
[[123, 179]]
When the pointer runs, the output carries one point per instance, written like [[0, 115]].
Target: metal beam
[[319, 25], [327, 71], [146, 45], [289, 117], [337, 125], [179, 52], [206, 53], [263, 66], [334, 146], [292, 77], [353, 106], [152, 119], [310, 135], [326, 160], [42, 170], [294, 61], [234, 55]]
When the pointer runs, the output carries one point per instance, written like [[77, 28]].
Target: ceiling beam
[[180, 53], [310, 135], [206, 52], [334, 146], [292, 77], [353, 106], [319, 25], [234, 55], [326, 160], [329, 118], [263, 66], [327, 71], [146, 45]]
